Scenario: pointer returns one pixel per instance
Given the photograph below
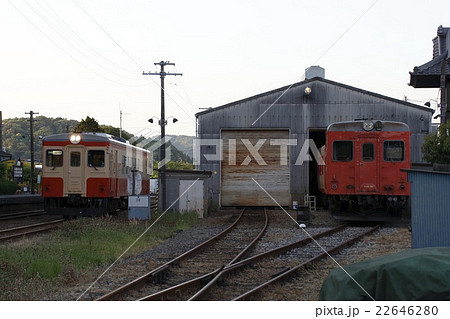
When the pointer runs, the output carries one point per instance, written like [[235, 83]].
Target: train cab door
[[367, 162], [74, 172]]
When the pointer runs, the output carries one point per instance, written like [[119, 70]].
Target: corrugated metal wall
[[328, 102], [430, 208]]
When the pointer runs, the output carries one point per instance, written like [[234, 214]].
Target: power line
[[62, 49], [317, 60], [185, 92], [112, 39], [77, 37], [132, 59], [68, 38]]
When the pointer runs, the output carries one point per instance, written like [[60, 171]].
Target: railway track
[[211, 276], [243, 279], [277, 268], [224, 249], [17, 215], [20, 231]]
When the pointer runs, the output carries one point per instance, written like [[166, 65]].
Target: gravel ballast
[[306, 286]]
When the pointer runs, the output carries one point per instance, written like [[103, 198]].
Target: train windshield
[[343, 151], [394, 151], [368, 152], [54, 158], [75, 159], [96, 158]]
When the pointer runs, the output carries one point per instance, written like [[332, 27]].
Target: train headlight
[[378, 125], [367, 125], [75, 138]]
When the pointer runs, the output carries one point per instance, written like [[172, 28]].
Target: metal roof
[[316, 79]]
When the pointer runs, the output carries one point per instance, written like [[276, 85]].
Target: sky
[[78, 58]]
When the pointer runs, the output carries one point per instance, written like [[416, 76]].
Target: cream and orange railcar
[[92, 173]]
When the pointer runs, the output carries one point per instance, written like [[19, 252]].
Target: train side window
[[124, 163], [75, 159], [54, 158], [96, 158], [343, 151], [149, 164], [394, 151], [368, 152]]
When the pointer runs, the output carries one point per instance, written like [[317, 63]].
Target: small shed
[[187, 191], [430, 203]]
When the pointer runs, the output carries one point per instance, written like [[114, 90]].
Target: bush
[[436, 146], [5, 167], [7, 187]]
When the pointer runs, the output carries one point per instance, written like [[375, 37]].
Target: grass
[[34, 265]]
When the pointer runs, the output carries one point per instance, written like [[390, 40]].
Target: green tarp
[[416, 274]]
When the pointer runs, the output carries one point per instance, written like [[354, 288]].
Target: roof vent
[[314, 72]]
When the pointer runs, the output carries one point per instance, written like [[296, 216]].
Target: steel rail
[[209, 285], [290, 272], [50, 225], [205, 278], [22, 214], [212, 276], [161, 270]]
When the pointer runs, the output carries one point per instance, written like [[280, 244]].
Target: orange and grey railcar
[[92, 173], [362, 167]]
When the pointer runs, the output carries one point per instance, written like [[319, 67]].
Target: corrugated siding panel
[[430, 209], [237, 185]]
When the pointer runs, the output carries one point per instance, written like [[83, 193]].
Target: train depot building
[[263, 150]]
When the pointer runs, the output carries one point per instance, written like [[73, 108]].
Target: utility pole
[[162, 123], [32, 151], [1, 132], [120, 130]]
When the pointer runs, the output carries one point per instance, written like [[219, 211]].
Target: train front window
[[394, 151], [368, 152], [343, 151], [96, 158], [75, 159], [54, 158]]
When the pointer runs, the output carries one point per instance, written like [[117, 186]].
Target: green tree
[[88, 125], [175, 165], [436, 146], [115, 131], [180, 164], [16, 134]]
